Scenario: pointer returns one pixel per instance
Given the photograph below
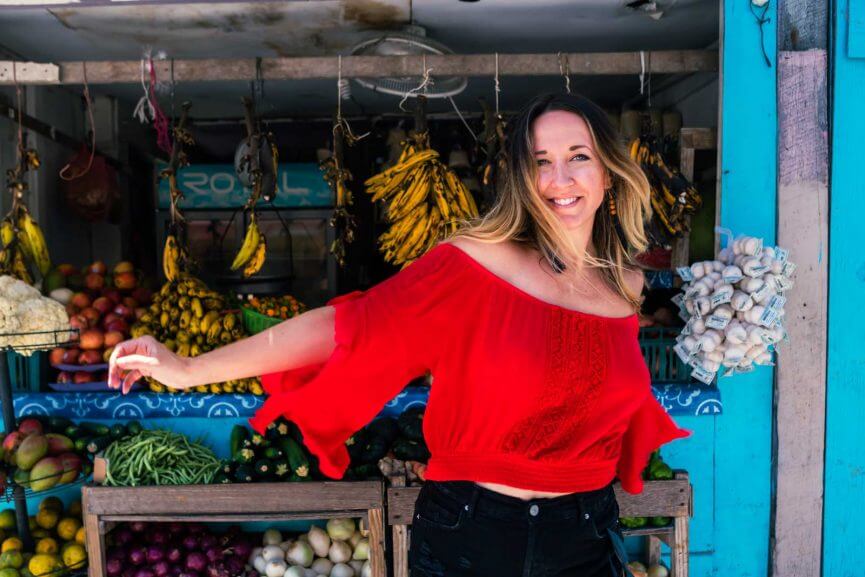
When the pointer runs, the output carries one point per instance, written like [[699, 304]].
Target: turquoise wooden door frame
[[843, 527], [748, 205]]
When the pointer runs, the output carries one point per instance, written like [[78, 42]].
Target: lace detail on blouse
[[574, 377]]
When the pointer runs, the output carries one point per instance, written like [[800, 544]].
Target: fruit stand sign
[[208, 186]]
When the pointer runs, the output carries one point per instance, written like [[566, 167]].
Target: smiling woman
[[570, 184]]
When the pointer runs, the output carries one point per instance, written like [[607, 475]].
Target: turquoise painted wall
[[843, 529], [742, 466]]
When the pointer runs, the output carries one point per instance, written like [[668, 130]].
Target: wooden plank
[[681, 246], [400, 550], [94, 542], [698, 139], [400, 504], [377, 542], [679, 548], [845, 398], [803, 229], [257, 498], [803, 24], [652, 550], [747, 204], [204, 70], [310, 515]]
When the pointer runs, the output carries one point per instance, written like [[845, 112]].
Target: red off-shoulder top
[[525, 393]]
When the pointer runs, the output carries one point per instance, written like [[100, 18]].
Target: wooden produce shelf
[[103, 507], [673, 498]]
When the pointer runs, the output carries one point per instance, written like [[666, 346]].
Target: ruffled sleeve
[[384, 338], [649, 428]]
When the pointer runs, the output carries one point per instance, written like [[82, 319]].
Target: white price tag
[[684, 315], [789, 269], [721, 298], [781, 254], [716, 322], [743, 370], [685, 273], [678, 300], [758, 250], [686, 330], [683, 354], [768, 318], [703, 375], [784, 283], [761, 292], [733, 279], [759, 271], [777, 302]]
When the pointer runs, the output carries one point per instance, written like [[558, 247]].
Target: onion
[[174, 554], [295, 571], [196, 561], [144, 573], [137, 526], [367, 570], [340, 552], [208, 541], [361, 552], [158, 537], [190, 542], [355, 539], [357, 566], [119, 553], [128, 572], [155, 554], [256, 552], [271, 537], [241, 548], [300, 554], [188, 573], [114, 567], [340, 529], [657, 571], [161, 568], [342, 570], [322, 566], [137, 555], [214, 554], [235, 565], [175, 528], [123, 536], [319, 540], [273, 553], [259, 563], [275, 569]]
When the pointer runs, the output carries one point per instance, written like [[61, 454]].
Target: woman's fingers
[[126, 356], [129, 380]]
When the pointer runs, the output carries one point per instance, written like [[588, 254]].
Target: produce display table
[[672, 498], [234, 503]]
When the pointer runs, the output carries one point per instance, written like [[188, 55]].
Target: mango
[[44, 564], [11, 442], [12, 543], [22, 478], [75, 508], [59, 444], [45, 474], [30, 426], [75, 557], [71, 464], [9, 572], [11, 560], [31, 451], [51, 504]]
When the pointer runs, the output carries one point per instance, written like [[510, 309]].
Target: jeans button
[[534, 510]]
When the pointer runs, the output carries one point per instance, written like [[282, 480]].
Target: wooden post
[[803, 228]]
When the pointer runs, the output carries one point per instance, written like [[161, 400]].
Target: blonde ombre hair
[[520, 215]]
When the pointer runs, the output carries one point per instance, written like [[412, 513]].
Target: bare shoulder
[[635, 279], [498, 257]]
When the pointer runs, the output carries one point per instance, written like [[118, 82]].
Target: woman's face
[[571, 178]]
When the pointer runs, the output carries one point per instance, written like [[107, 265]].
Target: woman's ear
[[608, 180]]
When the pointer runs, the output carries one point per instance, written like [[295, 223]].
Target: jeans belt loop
[[473, 500]]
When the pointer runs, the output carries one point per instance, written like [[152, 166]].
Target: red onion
[[123, 536], [144, 573], [214, 554], [175, 555], [208, 541], [188, 573], [161, 568], [114, 567], [117, 553], [158, 537], [242, 548], [129, 572], [196, 561], [137, 555], [175, 571], [235, 565], [190, 542], [175, 528], [138, 526], [154, 554]]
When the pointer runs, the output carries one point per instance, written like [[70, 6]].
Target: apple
[[130, 302], [142, 295], [123, 266], [98, 267], [113, 294], [125, 280], [91, 357], [71, 309], [94, 281], [92, 315], [103, 304], [140, 312], [64, 377], [66, 269], [82, 377], [118, 325], [92, 339], [55, 357], [124, 311], [78, 322], [113, 338], [106, 354], [70, 356], [80, 300]]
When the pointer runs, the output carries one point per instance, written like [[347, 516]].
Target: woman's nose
[[561, 175]]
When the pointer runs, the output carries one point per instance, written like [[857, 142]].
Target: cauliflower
[[24, 310]]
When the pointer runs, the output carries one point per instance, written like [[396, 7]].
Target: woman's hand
[[145, 357]]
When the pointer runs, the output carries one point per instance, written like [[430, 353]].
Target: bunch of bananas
[[425, 202], [341, 220], [22, 242], [673, 197], [174, 259], [190, 319], [252, 252]]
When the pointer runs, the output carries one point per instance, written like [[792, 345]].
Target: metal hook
[[426, 81], [565, 71]]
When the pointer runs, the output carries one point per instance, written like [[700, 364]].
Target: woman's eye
[[543, 161], [580, 157]]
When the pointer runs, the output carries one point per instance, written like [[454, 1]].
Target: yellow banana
[[33, 241], [229, 321], [19, 268], [170, 256], [213, 333], [197, 308], [7, 233], [257, 261], [208, 320], [250, 243]]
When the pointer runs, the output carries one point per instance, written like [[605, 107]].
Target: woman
[[527, 321]]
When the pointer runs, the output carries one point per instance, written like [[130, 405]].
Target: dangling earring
[[611, 202]]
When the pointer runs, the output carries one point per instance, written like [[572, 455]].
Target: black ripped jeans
[[463, 530]]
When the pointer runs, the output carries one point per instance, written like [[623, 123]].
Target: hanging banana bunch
[[22, 243], [493, 144], [253, 250], [175, 257], [337, 177], [673, 198], [426, 201]]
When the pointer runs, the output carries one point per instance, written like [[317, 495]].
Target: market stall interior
[[235, 164]]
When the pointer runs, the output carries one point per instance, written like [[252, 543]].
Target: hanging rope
[[64, 174], [342, 88], [497, 84], [762, 20], [426, 81], [565, 71]]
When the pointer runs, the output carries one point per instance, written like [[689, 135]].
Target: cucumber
[[97, 444], [134, 427], [239, 434], [81, 444], [59, 424], [75, 432], [297, 460], [386, 428], [96, 430], [411, 424], [118, 431], [274, 454], [356, 445], [281, 470], [243, 474], [222, 479], [259, 440], [264, 468], [406, 450], [245, 456]]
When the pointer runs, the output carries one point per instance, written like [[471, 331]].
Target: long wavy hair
[[520, 215]]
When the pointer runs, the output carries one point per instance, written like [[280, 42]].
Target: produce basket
[[254, 322], [664, 364]]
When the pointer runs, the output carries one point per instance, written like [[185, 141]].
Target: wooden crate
[[659, 499], [103, 507]]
